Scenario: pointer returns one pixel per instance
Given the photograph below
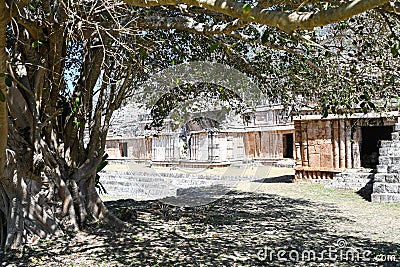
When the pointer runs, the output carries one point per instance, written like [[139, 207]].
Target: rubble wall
[[386, 187]]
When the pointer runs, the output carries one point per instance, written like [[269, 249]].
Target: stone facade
[[216, 146], [386, 187], [326, 147], [264, 135]]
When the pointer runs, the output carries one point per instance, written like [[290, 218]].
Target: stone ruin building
[[265, 136], [358, 151]]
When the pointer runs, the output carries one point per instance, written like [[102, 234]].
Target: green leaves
[[395, 49], [214, 47], [77, 124], [142, 53], [37, 43], [8, 80], [76, 104], [31, 7], [246, 9]]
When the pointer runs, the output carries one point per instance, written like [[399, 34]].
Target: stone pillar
[[356, 148], [304, 139], [297, 135], [348, 144], [342, 141], [335, 142]]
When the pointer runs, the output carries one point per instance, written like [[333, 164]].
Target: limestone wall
[[265, 144], [166, 147], [325, 147], [138, 148], [218, 146], [386, 187]]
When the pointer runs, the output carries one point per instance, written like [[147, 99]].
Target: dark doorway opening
[[123, 147], [288, 145], [371, 135]]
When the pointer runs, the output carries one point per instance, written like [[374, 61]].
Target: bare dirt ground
[[246, 227]]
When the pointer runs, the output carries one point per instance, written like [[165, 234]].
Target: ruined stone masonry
[[386, 187]]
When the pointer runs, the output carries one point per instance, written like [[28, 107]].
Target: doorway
[[123, 148], [288, 145], [371, 135]]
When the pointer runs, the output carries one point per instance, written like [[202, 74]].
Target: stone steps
[[146, 186], [385, 197], [354, 179], [387, 180], [148, 175]]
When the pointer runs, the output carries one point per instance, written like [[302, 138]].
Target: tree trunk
[[3, 88], [3, 118]]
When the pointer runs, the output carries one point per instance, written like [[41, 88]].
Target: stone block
[[379, 187], [396, 198], [384, 160], [392, 178], [380, 177], [395, 136], [382, 168], [386, 198], [385, 143], [393, 169], [312, 149], [375, 198], [395, 160], [383, 151], [397, 127], [326, 161], [395, 144], [314, 159], [391, 188]]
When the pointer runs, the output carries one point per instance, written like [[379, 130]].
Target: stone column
[[297, 136], [342, 141], [335, 142], [304, 140], [348, 144], [356, 148]]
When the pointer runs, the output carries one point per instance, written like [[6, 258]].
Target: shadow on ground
[[366, 191], [240, 229], [277, 179]]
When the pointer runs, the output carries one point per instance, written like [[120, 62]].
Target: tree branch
[[186, 24], [287, 22]]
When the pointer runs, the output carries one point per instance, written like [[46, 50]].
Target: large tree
[[70, 64]]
